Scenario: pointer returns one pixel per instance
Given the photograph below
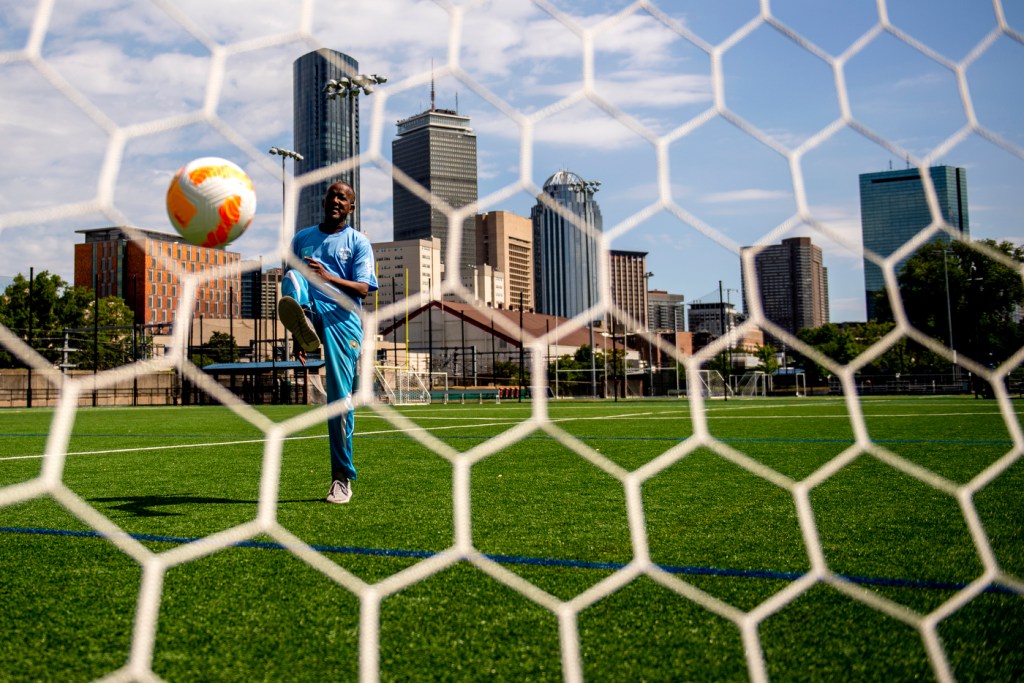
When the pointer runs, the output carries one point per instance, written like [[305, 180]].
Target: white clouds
[[747, 195], [135, 63]]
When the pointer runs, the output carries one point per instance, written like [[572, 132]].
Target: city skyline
[[697, 154]]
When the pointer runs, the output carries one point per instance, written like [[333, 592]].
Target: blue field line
[[677, 439], [134, 435], [536, 561]]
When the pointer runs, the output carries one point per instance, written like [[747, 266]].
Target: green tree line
[[48, 311], [952, 292]]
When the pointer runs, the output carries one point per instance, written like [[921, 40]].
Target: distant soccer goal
[[317, 393], [713, 385], [439, 380], [400, 386], [752, 383]]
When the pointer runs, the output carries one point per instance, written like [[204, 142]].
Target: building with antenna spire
[[436, 149]]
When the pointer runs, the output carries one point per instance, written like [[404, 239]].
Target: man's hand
[[315, 266]]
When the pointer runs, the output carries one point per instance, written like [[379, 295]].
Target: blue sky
[[122, 93]]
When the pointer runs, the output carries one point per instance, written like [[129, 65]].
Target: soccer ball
[[211, 201]]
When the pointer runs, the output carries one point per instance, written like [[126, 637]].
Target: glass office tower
[[565, 251], [326, 130], [893, 208], [437, 149]]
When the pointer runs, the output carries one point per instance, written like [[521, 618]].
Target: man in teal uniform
[[342, 261]]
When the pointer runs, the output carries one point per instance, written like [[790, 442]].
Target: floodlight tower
[[590, 187], [352, 87], [285, 154]]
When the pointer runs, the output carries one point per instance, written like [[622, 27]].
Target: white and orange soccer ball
[[211, 201]]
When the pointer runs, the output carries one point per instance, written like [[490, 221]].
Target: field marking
[[245, 442], [463, 424], [689, 570]]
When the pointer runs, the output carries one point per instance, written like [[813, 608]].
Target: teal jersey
[[346, 254]]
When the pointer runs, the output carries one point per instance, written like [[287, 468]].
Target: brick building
[[145, 272]]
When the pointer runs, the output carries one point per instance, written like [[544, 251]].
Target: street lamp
[[650, 351], [284, 154], [949, 312], [590, 187]]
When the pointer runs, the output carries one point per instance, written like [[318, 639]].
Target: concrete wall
[[153, 389]]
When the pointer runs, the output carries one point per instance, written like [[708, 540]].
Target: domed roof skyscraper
[[565, 250]]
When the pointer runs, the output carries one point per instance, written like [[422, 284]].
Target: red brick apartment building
[[145, 272]]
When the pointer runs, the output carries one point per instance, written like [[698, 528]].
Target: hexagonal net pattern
[[49, 483]]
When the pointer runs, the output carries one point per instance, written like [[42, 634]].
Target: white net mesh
[[401, 386], [49, 60]]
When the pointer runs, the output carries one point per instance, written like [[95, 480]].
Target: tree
[[64, 316], [574, 371], [844, 343], [509, 371], [983, 298], [42, 309], [221, 347], [113, 332], [766, 360]]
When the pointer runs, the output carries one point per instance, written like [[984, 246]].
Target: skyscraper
[[665, 312], [629, 287], [713, 319], [565, 251], [436, 149], [505, 241], [893, 208], [793, 283], [326, 130]]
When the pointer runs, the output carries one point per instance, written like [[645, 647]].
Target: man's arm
[[360, 289]]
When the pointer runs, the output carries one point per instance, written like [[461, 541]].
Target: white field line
[[244, 442], [650, 415]]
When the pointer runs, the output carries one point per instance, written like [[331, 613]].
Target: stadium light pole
[[949, 311], [28, 338], [350, 87], [590, 187], [650, 350], [284, 154]]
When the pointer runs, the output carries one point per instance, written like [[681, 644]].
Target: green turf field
[[551, 507]]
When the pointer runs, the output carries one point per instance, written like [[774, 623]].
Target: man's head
[[339, 202]]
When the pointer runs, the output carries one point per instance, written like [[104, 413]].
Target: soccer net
[[399, 386], [51, 51], [316, 390], [752, 383], [713, 385]]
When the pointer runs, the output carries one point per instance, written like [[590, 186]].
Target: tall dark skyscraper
[[564, 257], [793, 283], [326, 130], [437, 149], [893, 208]]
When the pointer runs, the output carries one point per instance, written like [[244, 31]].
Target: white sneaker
[[340, 492], [295, 321]]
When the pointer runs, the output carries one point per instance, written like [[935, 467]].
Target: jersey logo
[[344, 253], [353, 343]]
